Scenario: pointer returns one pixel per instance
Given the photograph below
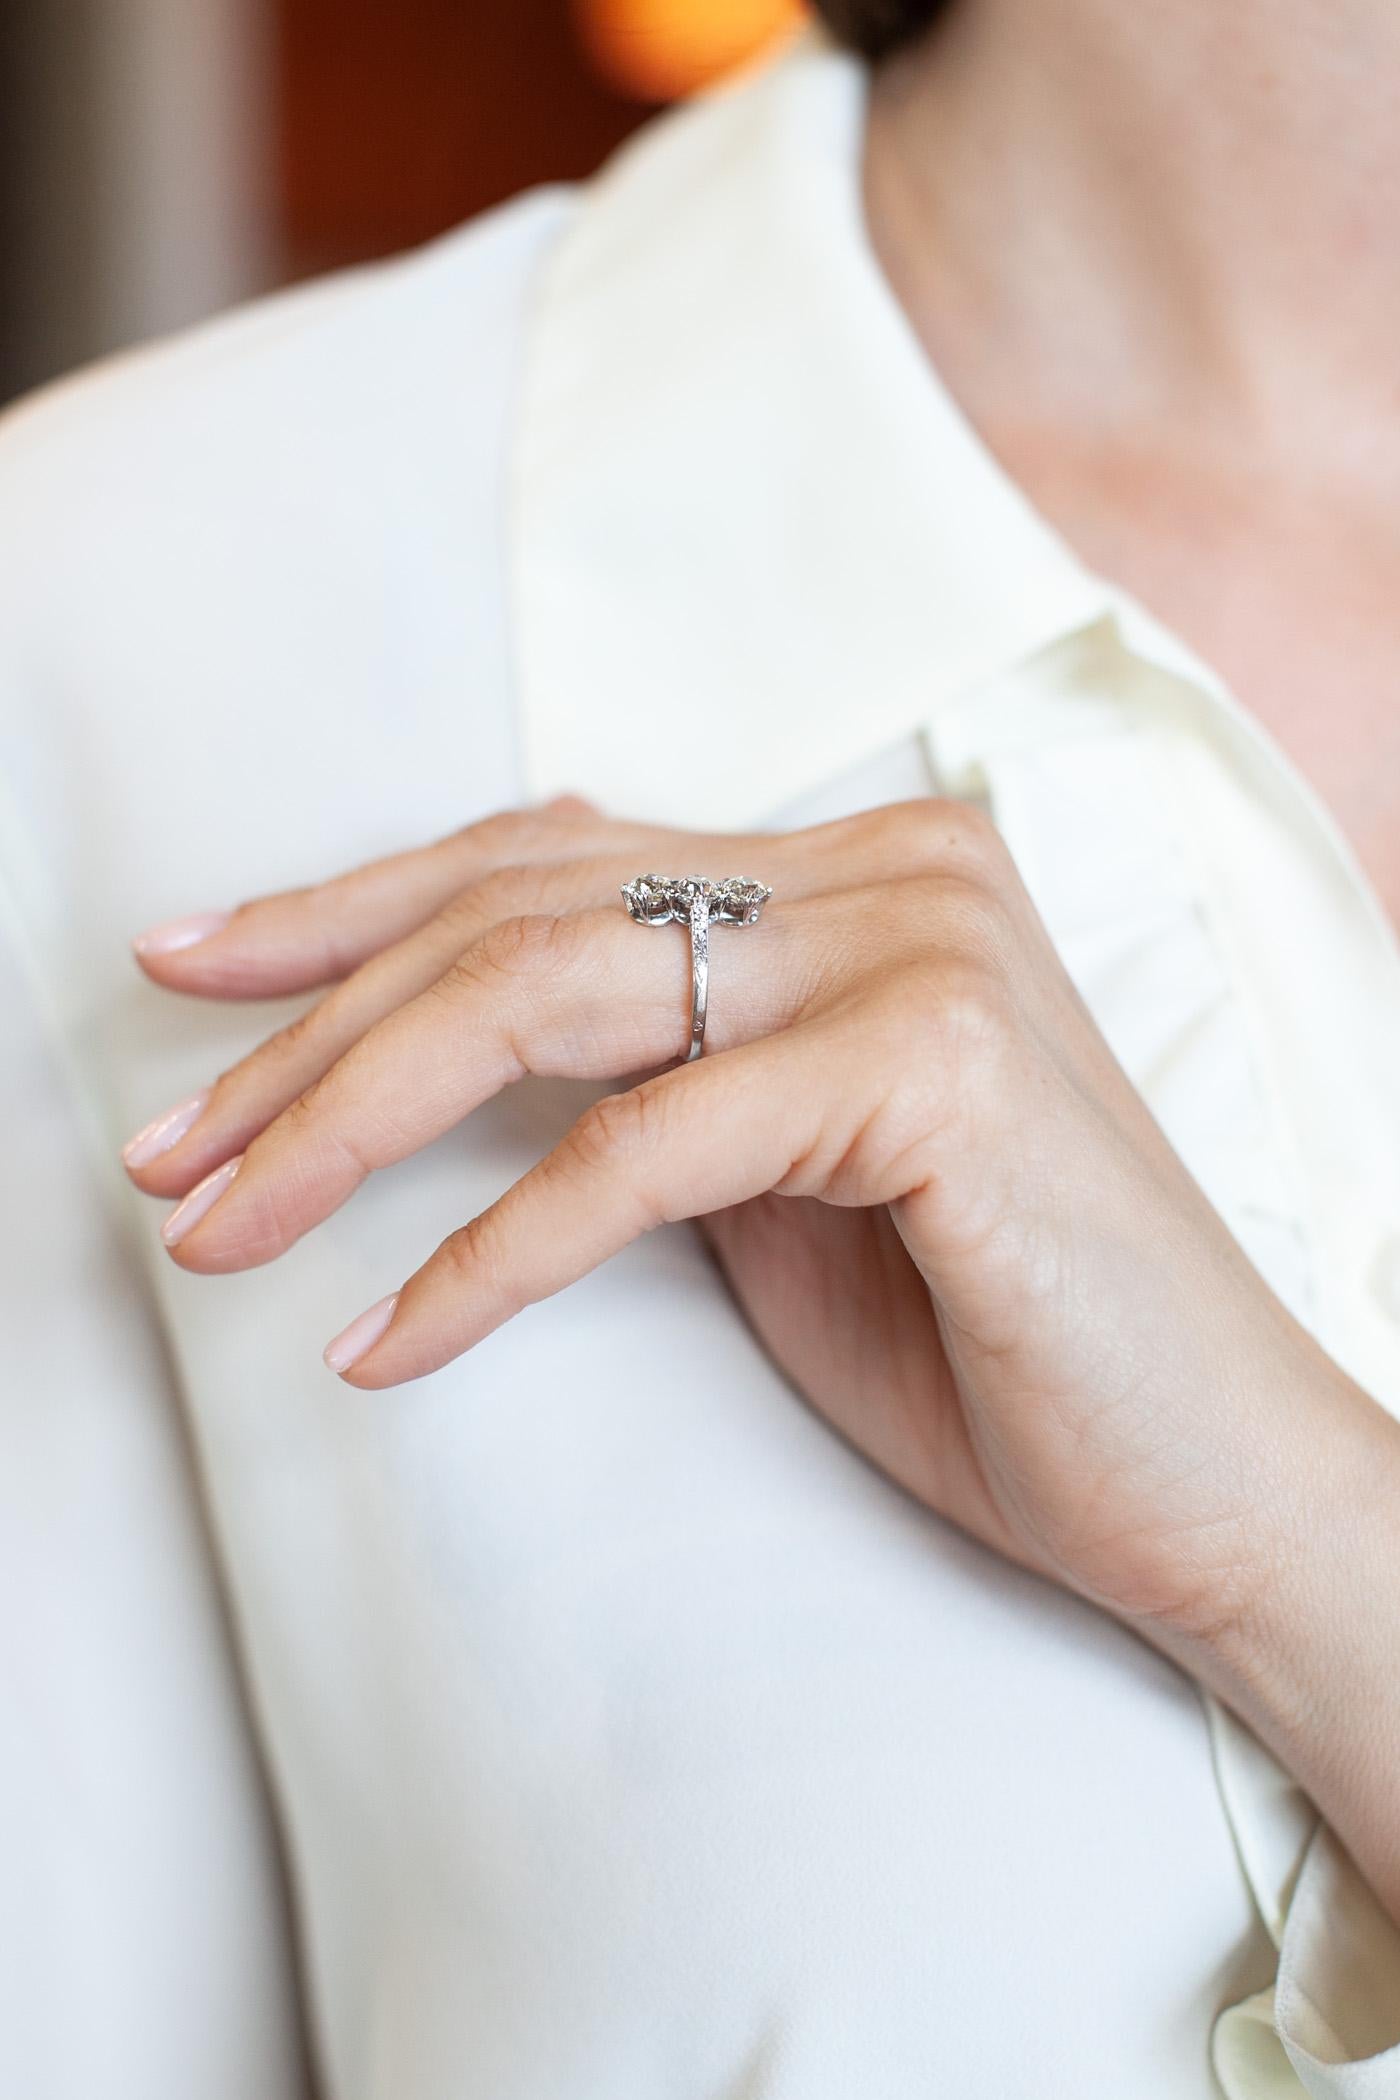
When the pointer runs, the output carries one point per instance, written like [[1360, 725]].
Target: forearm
[[1314, 1665]]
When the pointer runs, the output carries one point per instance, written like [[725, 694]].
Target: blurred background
[[160, 159]]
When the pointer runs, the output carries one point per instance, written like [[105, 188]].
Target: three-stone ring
[[696, 902]]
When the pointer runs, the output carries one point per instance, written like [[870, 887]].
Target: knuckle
[[275, 1063], [826, 949], [962, 1000], [301, 1119], [258, 915], [510, 891], [319, 1142], [975, 1000], [932, 834], [519, 945], [891, 838], [465, 1254], [505, 834], [940, 833], [228, 1087], [972, 920], [260, 929], [501, 893], [962, 836], [493, 834], [617, 1126], [461, 917], [290, 1044], [327, 912]]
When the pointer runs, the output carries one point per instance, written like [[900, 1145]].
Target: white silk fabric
[[587, 1719]]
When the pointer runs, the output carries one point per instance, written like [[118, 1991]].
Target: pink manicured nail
[[201, 1199], [164, 1131], [181, 933], [360, 1336]]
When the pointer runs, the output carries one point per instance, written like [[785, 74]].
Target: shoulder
[[251, 590], [249, 422]]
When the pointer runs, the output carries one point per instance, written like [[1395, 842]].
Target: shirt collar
[[754, 539]]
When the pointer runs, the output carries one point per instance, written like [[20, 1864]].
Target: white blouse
[[588, 1720]]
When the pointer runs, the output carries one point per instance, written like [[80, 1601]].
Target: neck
[[1188, 210]]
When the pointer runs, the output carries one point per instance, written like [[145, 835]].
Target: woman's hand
[[942, 1205]]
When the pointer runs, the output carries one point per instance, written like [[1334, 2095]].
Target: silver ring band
[[697, 903], [699, 975]]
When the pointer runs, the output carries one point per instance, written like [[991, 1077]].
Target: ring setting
[[698, 903]]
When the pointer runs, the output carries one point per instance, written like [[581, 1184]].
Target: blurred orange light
[[659, 50]]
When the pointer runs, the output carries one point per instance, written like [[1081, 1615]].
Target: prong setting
[[654, 900], [697, 904]]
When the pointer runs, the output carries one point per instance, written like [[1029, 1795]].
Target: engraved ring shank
[[697, 903], [699, 974]]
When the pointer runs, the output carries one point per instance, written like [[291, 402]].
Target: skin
[[941, 1204], [1151, 252]]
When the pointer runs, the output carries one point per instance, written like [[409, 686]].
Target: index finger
[[693, 1140]]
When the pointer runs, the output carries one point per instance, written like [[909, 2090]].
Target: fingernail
[[360, 1336], [164, 1131], [181, 933], [201, 1199]]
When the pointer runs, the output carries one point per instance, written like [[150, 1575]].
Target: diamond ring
[[696, 902]]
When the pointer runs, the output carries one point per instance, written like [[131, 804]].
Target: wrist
[[1327, 1553], [1312, 1660]]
